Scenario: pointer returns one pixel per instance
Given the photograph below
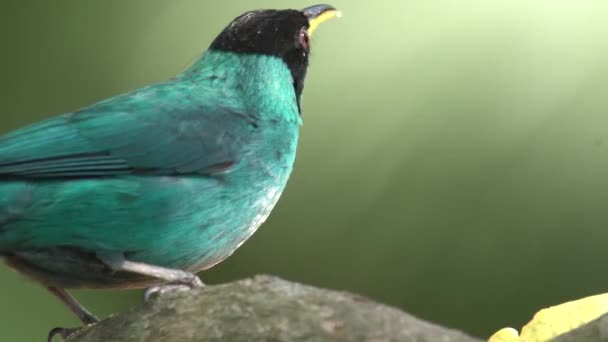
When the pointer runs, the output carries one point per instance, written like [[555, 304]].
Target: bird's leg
[[177, 280], [83, 314]]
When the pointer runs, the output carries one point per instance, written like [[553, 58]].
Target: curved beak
[[317, 14]]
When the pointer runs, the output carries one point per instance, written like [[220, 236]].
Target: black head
[[281, 33]]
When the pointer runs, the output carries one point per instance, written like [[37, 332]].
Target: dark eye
[[303, 37]]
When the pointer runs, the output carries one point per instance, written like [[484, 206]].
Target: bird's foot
[[63, 332], [85, 316], [190, 280], [155, 291], [186, 284]]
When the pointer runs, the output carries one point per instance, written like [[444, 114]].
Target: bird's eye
[[303, 37]]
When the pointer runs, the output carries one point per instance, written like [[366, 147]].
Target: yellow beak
[[318, 14]]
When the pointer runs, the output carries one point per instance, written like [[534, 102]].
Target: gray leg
[[117, 262], [83, 314]]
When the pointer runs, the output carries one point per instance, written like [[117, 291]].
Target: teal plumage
[[173, 176], [174, 200]]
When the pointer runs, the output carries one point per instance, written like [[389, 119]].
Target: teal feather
[[177, 174]]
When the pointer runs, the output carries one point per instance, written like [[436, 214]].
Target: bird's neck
[[263, 82]]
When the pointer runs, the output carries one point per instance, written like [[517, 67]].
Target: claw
[[185, 285], [156, 291], [63, 332], [193, 282]]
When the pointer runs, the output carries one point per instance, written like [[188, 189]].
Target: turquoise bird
[[146, 188]]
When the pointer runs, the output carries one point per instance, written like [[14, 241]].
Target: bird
[[147, 188]]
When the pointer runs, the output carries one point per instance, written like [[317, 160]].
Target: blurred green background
[[453, 160]]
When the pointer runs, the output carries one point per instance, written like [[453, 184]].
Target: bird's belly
[[213, 235]]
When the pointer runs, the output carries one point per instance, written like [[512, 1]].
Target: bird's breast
[[247, 196], [265, 172]]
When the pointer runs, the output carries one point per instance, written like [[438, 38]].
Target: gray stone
[[265, 309]]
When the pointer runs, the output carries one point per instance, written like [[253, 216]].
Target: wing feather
[[139, 132]]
